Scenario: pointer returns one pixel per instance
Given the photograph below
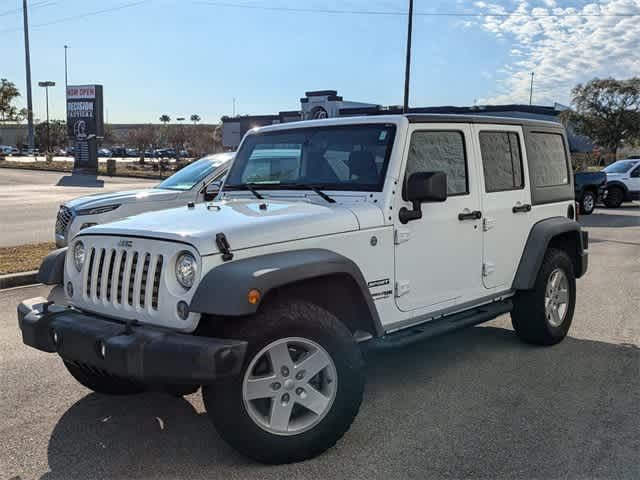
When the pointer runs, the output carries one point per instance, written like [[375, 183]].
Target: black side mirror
[[423, 187], [212, 190]]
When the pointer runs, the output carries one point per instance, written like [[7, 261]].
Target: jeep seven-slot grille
[[63, 219], [122, 277]]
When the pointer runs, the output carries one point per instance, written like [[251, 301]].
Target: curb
[[18, 279]]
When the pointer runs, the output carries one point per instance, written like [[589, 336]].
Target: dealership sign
[[85, 124], [84, 111]]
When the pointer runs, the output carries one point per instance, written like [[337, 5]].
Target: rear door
[[506, 201]]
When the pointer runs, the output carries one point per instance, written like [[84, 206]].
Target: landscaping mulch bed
[[24, 257]]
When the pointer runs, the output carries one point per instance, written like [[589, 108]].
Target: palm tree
[[195, 118], [165, 119]]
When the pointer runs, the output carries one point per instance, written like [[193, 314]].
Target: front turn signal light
[[253, 296]]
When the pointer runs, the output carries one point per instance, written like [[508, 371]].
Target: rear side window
[[440, 151], [501, 161], [547, 159]]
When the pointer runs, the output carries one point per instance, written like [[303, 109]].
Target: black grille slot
[[143, 281], [110, 275], [156, 283], [101, 258], [132, 278], [89, 272], [121, 277]]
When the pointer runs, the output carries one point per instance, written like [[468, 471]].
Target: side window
[[547, 159], [501, 161], [444, 151], [635, 173]]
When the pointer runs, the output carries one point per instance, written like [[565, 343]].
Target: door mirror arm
[[422, 187]]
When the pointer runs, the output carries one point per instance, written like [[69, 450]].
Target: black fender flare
[[223, 290], [51, 270], [536, 246]]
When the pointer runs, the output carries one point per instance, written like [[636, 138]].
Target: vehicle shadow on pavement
[[80, 180], [475, 404], [596, 220]]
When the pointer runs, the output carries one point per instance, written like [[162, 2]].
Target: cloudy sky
[[195, 56]]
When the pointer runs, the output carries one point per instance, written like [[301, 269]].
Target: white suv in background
[[197, 182], [623, 182]]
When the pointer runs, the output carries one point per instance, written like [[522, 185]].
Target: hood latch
[[224, 247]]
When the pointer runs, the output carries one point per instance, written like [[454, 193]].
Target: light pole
[[27, 62], [531, 90], [66, 81], [46, 86], [407, 67]]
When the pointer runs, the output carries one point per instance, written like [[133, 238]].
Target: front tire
[[614, 198], [299, 389], [587, 202], [101, 382], [542, 316]]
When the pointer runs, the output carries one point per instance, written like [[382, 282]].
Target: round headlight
[[79, 255], [186, 269]]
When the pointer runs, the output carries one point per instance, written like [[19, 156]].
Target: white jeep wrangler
[[329, 237]]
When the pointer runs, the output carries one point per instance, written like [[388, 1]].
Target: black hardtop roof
[[486, 119]]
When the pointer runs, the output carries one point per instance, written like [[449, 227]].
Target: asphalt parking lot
[[30, 200], [475, 404]]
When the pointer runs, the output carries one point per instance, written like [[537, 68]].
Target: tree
[[141, 138], [202, 140], [607, 111], [195, 118], [164, 118], [57, 132], [8, 93]]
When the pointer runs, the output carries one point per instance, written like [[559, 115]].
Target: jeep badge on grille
[[125, 243]]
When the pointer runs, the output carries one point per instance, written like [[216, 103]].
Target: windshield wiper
[[309, 186], [245, 186]]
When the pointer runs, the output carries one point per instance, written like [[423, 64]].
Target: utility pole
[[531, 90], [407, 68], [27, 61], [234, 107]]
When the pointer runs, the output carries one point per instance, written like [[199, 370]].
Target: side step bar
[[434, 328]]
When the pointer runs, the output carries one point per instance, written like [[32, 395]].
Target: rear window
[[547, 159], [501, 161]]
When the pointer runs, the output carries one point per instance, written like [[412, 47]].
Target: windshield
[[192, 174], [620, 166], [351, 157]]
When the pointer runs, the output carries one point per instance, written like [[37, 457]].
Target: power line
[[15, 11], [400, 13], [80, 16]]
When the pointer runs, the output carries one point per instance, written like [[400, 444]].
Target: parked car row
[[615, 184], [7, 150], [123, 152]]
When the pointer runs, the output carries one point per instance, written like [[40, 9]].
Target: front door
[[439, 257], [506, 202]]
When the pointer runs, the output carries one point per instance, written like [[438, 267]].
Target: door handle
[[466, 215], [521, 208]]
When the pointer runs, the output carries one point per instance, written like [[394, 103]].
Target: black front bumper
[[143, 353]]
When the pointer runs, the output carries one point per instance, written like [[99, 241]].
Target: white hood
[[243, 222], [128, 196]]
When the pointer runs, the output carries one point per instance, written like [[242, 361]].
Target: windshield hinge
[[224, 247]]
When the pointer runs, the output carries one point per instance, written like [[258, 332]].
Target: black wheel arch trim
[[223, 290], [540, 236], [51, 270], [618, 183]]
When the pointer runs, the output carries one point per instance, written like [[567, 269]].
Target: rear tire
[[102, 382], [277, 374], [587, 202], [614, 198], [542, 316]]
